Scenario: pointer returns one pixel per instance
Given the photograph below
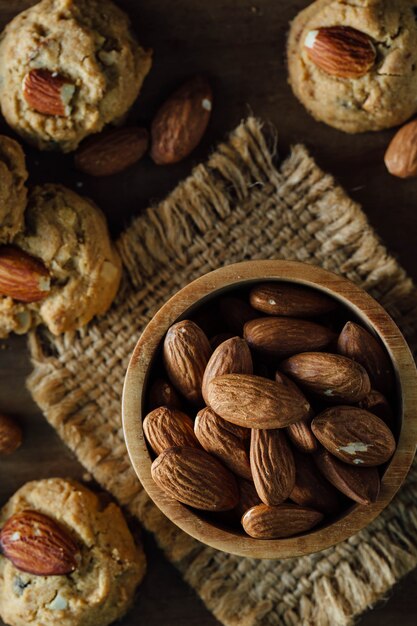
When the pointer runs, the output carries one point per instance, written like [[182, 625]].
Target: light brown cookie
[[101, 588], [384, 96], [69, 235], [68, 68], [13, 175]]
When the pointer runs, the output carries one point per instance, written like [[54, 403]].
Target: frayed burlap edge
[[235, 207]]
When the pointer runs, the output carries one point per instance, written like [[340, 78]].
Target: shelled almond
[[284, 424]]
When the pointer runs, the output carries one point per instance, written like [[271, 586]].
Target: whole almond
[[290, 300], [10, 434], [311, 488], [358, 344], [186, 353], [277, 522], [230, 357], [272, 465], [166, 427], [361, 484], [22, 277], [215, 436], [376, 403], [162, 393], [281, 337], [354, 435], [48, 92], [340, 51], [299, 433], [195, 478], [248, 497], [235, 313], [401, 155], [330, 376], [37, 544], [255, 402], [112, 151], [181, 122]]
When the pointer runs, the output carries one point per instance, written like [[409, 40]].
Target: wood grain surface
[[241, 45]]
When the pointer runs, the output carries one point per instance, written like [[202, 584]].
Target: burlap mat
[[237, 206]]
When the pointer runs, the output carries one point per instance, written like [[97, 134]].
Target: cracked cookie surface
[[87, 42], [68, 233], [102, 587], [387, 95], [13, 175]]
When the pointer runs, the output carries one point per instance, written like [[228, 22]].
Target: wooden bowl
[[200, 291]]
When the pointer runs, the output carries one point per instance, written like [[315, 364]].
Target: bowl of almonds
[[268, 409]]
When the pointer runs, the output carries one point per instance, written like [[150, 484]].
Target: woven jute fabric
[[242, 204]]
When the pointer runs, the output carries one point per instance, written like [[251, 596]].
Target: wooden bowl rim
[[212, 284]]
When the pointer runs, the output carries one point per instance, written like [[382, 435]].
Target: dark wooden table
[[240, 44]]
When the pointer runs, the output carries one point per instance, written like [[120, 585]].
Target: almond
[[186, 353], [230, 357], [361, 484], [354, 435], [358, 344], [255, 402], [166, 427], [276, 522], [22, 277], [162, 393], [401, 155], [248, 497], [10, 434], [36, 544], [281, 337], [48, 92], [235, 313], [299, 433], [330, 376], [340, 51], [377, 404], [112, 151], [215, 436], [181, 122], [290, 300], [311, 489], [272, 465], [195, 478]]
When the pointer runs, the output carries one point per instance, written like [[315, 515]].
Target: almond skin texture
[[10, 435], [48, 92], [311, 488], [377, 404], [165, 428], [358, 344], [181, 122], [361, 484], [341, 51], [354, 436], [248, 497], [186, 353], [22, 277], [255, 402], [162, 393], [401, 155], [290, 300], [281, 337], [215, 437], [112, 151], [272, 465], [236, 313], [36, 544], [230, 357], [299, 433], [276, 522], [195, 478], [331, 376]]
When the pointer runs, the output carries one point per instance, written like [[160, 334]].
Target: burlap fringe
[[235, 207]]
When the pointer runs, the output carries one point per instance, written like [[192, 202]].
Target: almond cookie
[[354, 65], [68, 235], [68, 68], [13, 175], [109, 565]]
